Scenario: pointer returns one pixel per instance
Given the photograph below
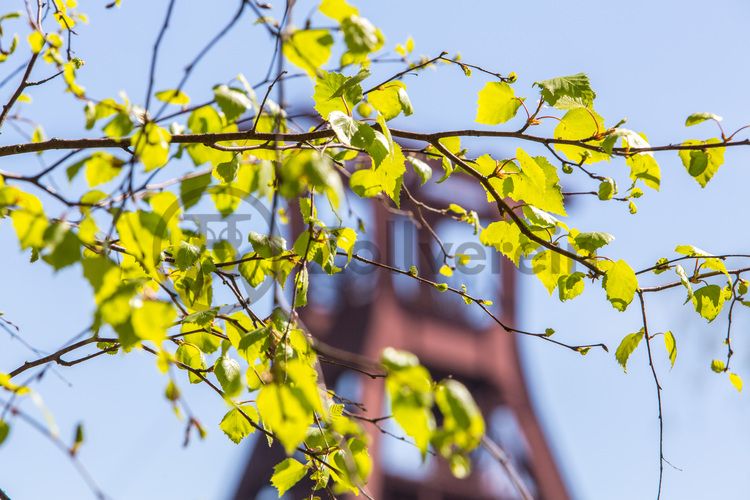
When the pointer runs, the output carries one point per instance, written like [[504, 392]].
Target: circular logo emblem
[[230, 230]]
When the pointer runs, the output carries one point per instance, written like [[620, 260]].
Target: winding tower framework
[[374, 309]]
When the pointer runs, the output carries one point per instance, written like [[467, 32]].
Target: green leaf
[[691, 251], [708, 301], [537, 183], [236, 426], [29, 221], [192, 189], [233, 102], [497, 103], [539, 219], [680, 271], [102, 109], [337, 9], [361, 38], [578, 124], [567, 92], [203, 340], [229, 375], [225, 199], [735, 379], [267, 246], [409, 387], [63, 245], [151, 144], [390, 99], [549, 266], [411, 401], [365, 183], [644, 167], [391, 172], [152, 319], [4, 431], [620, 283], [591, 242], [395, 359], [286, 412], [709, 261], [286, 474], [697, 118], [570, 286], [626, 348], [306, 170], [351, 82], [607, 189], [36, 41], [77, 439], [461, 415], [206, 120], [336, 92], [119, 126], [423, 170], [173, 96], [671, 345], [702, 164], [38, 134], [344, 125], [101, 168], [308, 49], [190, 355], [505, 237], [302, 282], [227, 170], [452, 144], [186, 255]]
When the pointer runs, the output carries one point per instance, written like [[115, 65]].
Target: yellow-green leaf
[[36, 41], [620, 283], [286, 474], [505, 237], [626, 348], [236, 426], [578, 124], [152, 319], [702, 164], [286, 413], [337, 9], [644, 167], [537, 184], [549, 266], [570, 286], [102, 167], [390, 99], [697, 118], [708, 301], [190, 356], [335, 92], [497, 103], [308, 49], [229, 375], [736, 381], [173, 96], [671, 345], [151, 144]]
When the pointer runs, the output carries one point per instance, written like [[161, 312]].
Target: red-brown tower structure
[[369, 309]]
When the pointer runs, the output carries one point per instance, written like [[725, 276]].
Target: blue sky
[[652, 62]]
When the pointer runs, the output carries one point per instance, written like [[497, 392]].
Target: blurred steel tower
[[369, 309]]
